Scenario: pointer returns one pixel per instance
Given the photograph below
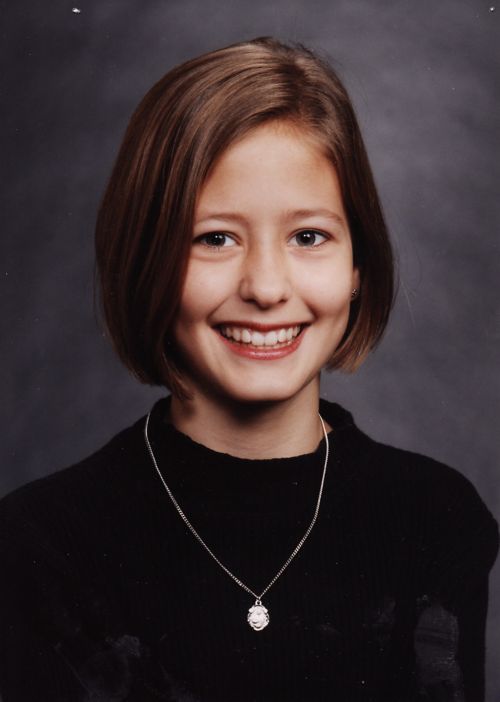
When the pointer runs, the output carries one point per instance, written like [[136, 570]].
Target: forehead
[[275, 162]]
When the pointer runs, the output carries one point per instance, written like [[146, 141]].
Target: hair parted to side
[[179, 130]]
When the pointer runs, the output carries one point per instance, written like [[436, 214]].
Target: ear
[[356, 279]]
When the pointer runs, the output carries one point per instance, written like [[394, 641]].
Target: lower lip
[[262, 353]]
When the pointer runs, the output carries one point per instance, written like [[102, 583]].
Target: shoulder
[[388, 464], [419, 472], [420, 488], [76, 489], [442, 485]]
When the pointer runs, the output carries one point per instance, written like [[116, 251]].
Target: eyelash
[[202, 239], [316, 232]]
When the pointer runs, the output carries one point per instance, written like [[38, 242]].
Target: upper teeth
[[270, 338]]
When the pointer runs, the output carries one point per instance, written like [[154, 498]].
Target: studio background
[[424, 79]]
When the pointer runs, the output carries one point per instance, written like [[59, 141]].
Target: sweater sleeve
[[60, 639], [450, 633], [32, 662]]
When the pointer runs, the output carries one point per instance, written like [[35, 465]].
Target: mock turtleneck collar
[[163, 432]]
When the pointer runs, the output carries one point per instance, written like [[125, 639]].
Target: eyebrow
[[289, 215]]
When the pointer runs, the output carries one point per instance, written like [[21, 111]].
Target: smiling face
[[268, 287]]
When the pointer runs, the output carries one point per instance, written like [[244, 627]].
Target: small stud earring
[[354, 293]]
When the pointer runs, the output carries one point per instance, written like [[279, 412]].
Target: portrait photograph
[[250, 352]]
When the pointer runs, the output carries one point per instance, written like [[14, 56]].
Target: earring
[[354, 293]]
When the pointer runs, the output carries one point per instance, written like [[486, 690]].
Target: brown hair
[[181, 127]]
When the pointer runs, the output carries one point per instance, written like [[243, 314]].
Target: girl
[[245, 540]]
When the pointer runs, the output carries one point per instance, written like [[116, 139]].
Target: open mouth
[[280, 337]]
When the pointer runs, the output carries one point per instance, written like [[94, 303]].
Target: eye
[[216, 240], [309, 238]]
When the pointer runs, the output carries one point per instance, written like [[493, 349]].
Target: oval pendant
[[258, 616]]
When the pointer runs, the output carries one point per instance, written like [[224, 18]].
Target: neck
[[252, 430]]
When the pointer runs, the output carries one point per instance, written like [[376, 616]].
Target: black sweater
[[105, 594]]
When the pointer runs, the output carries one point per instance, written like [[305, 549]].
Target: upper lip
[[258, 326]]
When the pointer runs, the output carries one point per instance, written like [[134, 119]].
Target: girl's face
[[268, 287]]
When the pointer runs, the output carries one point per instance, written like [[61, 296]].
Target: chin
[[255, 396], [271, 381], [280, 390]]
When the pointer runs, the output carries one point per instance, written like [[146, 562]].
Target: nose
[[265, 276]]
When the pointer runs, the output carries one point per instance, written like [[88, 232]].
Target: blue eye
[[309, 238], [216, 240]]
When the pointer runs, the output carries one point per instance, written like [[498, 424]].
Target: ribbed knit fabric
[[105, 595]]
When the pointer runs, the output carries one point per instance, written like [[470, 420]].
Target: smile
[[264, 344], [274, 338]]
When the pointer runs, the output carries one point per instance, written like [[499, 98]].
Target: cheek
[[328, 295], [202, 293]]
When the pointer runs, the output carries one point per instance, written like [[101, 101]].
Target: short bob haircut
[[177, 133]]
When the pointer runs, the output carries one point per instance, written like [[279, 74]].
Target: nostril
[[265, 285]]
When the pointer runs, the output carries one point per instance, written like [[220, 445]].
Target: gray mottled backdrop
[[424, 76]]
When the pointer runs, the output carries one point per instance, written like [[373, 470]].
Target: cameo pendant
[[258, 616]]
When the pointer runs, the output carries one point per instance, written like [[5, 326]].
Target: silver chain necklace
[[258, 615]]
